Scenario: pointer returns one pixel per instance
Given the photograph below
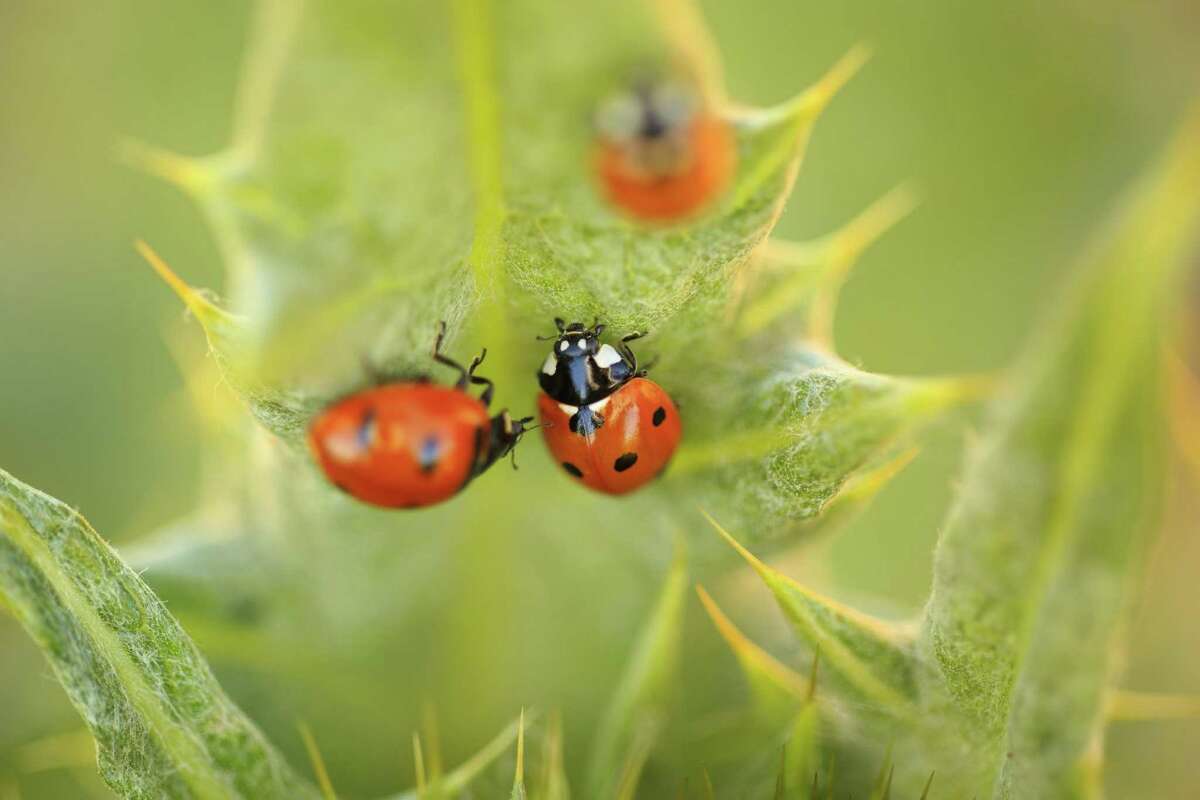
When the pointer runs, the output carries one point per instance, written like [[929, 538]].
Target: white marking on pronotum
[[599, 404], [607, 356], [551, 364], [568, 409], [563, 345]]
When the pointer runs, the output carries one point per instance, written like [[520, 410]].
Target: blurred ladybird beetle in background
[[410, 444], [607, 425], [662, 155]]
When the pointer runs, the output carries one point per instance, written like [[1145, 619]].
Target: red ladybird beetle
[[412, 444], [662, 155], [607, 425]]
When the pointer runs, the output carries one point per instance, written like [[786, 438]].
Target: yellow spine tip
[[840, 74], [318, 763], [204, 310], [418, 763], [751, 559], [520, 771], [187, 173], [169, 276]]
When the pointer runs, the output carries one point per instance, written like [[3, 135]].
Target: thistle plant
[[395, 166]]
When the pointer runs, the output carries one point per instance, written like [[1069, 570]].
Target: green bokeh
[[1018, 123]]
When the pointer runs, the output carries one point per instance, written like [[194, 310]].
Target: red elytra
[[641, 429], [704, 167], [403, 445], [411, 444]]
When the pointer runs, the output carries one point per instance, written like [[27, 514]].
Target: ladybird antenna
[[559, 323]]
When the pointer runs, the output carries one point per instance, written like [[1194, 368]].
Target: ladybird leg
[[486, 396], [449, 362], [475, 362], [628, 354], [631, 357], [479, 380]]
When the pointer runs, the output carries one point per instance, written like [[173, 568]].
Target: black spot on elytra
[[625, 461], [430, 454], [660, 414], [572, 469], [366, 429]]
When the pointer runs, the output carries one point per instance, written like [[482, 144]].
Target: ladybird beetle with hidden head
[[411, 444], [662, 155], [609, 427]]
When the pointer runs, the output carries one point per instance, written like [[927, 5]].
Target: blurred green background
[[1019, 122]]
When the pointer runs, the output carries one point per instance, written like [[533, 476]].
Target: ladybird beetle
[[411, 444], [609, 427], [661, 155]]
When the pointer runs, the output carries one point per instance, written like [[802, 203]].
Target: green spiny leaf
[[673, 267], [334, 257], [1034, 566], [281, 411], [797, 427], [801, 280], [638, 709], [162, 724], [927, 787], [804, 750], [552, 781], [518, 787], [458, 780], [781, 777], [1125, 706], [776, 689], [873, 659], [318, 764]]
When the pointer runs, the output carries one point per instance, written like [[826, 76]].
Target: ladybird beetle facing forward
[[411, 444], [662, 156], [607, 425]]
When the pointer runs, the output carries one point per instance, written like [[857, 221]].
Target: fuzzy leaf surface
[[394, 166], [163, 727], [873, 660], [639, 707], [1034, 567]]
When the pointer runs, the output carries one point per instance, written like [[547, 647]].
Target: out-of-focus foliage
[[1004, 691], [163, 727], [349, 225]]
